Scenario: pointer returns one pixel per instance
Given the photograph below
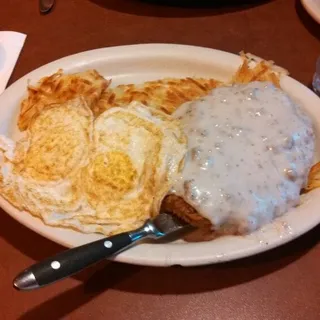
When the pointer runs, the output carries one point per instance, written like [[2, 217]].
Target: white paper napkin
[[11, 44]]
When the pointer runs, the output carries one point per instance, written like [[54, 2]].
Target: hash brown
[[168, 94], [165, 95], [60, 88]]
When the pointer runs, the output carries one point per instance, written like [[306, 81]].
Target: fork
[[71, 261]]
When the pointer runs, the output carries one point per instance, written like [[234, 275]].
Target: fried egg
[[41, 176], [135, 156], [104, 175]]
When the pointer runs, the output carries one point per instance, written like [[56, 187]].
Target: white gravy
[[250, 148]]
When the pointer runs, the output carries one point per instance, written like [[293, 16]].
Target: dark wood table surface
[[281, 284]]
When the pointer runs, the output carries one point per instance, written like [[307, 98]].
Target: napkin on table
[[11, 44]]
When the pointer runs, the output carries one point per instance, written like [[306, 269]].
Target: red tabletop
[[281, 284]]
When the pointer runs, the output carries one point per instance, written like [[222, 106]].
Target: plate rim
[[132, 256], [311, 8]]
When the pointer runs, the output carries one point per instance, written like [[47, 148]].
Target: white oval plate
[[313, 8], [138, 63]]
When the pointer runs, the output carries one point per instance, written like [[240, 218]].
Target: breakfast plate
[[139, 63], [313, 8]]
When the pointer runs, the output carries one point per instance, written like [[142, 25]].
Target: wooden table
[[281, 284]]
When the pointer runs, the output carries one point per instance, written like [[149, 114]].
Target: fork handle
[[70, 261]]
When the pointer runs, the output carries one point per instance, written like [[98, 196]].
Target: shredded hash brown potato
[[314, 178], [59, 88], [165, 95], [261, 72], [168, 94]]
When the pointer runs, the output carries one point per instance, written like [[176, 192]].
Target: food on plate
[[94, 175], [59, 88], [250, 149], [226, 157]]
